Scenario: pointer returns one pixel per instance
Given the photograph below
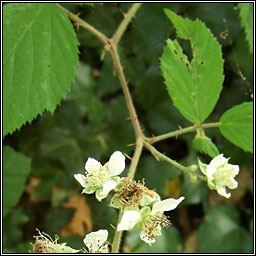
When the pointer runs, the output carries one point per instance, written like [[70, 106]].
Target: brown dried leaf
[[31, 187], [81, 222]]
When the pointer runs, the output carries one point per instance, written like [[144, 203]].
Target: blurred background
[[92, 122]]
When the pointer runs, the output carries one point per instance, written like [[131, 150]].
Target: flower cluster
[[142, 208], [101, 179], [220, 174], [96, 242]]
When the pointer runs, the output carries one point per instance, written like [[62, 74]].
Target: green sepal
[[88, 190], [204, 144], [119, 185], [211, 185], [193, 178], [116, 179], [202, 167], [146, 199], [115, 202], [145, 212], [99, 196]]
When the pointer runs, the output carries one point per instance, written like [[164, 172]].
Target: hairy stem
[[119, 70], [118, 236], [123, 25], [85, 25], [159, 156], [181, 131], [136, 157]]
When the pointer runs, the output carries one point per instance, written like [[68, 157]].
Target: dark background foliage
[[92, 122]]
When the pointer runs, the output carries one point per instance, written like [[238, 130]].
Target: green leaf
[[39, 57], [204, 144], [220, 232], [194, 86], [13, 234], [16, 168], [246, 15], [236, 125]]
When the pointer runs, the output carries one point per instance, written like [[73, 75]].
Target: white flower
[[101, 179], [96, 241], [220, 174], [149, 220]]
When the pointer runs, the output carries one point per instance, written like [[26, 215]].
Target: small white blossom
[[220, 174], [150, 220], [101, 179], [96, 241]]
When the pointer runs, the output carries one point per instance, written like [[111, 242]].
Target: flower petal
[[222, 192], [104, 249], [103, 192], [95, 240], [232, 184], [219, 160], [108, 186], [116, 163], [92, 165], [166, 205], [234, 169], [81, 179], [146, 238], [216, 162], [129, 220]]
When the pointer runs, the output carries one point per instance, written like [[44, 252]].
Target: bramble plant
[[40, 61]]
